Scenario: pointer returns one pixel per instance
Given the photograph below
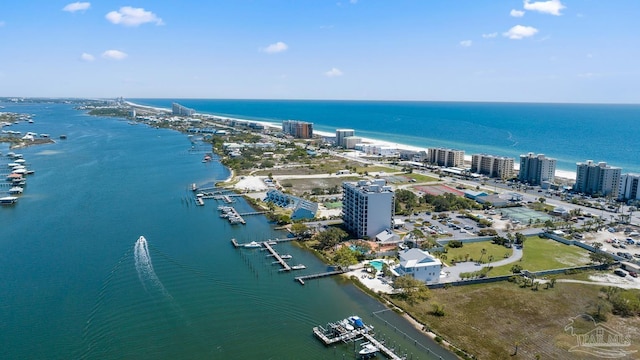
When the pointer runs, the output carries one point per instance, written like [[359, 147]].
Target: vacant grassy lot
[[422, 178], [474, 251], [374, 169], [301, 186], [488, 320], [324, 165], [545, 254]]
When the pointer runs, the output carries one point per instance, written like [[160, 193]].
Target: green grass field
[[545, 254], [422, 178], [474, 250]]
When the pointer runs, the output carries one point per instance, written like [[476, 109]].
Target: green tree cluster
[[412, 290], [449, 202], [330, 238]]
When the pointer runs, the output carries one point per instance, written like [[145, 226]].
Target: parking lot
[[621, 243]]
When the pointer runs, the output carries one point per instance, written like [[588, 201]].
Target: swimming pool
[[377, 264]]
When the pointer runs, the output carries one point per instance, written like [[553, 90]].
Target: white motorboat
[[345, 324], [368, 350], [8, 200], [252, 244], [16, 190], [298, 267], [286, 256]]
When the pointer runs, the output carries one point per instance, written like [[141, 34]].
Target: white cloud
[[129, 16], [465, 43], [516, 13], [489, 36], [87, 57], [114, 55], [520, 32], [589, 56], [552, 7], [276, 48], [334, 72], [77, 6]]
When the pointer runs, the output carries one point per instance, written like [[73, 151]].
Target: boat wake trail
[[144, 267], [510, 138]]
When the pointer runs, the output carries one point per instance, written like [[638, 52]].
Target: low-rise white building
[[420, 265]]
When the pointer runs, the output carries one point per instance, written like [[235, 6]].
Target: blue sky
[[441, 50]]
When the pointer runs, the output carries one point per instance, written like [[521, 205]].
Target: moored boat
[[298, 267], [252, 244], [368, 350], [8, 200], [16, 190]]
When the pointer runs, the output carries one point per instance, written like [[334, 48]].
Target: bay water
[[77, 283]]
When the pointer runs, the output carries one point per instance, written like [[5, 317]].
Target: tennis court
[[524, 214]]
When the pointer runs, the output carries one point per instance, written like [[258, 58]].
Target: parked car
[[620, 272], [633, 273]]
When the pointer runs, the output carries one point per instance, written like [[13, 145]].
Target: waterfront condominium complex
[[341, 134], [536, 169], [298, 129], [597, 179], [177, 109], [446, 157], [367, 207], [492, 166], [629, 186]]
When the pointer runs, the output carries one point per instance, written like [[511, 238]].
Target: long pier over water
[[285, 266]]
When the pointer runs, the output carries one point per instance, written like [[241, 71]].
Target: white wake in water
[[144, 267]]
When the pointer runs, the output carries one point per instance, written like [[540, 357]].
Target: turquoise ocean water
[[72, 285], [568, 132]]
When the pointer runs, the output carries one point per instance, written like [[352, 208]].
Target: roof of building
[[414, 257]]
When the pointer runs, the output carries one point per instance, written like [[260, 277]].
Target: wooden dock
[[339, 334], [301, 279], [383, 349], [285, 266], [344, 337]]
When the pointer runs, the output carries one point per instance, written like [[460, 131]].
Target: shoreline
[[559, 173], [422, 328]]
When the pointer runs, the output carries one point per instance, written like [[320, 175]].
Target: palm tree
[[482, 252]]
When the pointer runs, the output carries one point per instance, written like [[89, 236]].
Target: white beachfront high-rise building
[[600, 179], [446, 157], [341, 134], [536, 169], [367, 207], [492, 165], [629, 187]]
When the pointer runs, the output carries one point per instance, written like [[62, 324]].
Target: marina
[[354, 329], [15, 179], [267, 245]]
